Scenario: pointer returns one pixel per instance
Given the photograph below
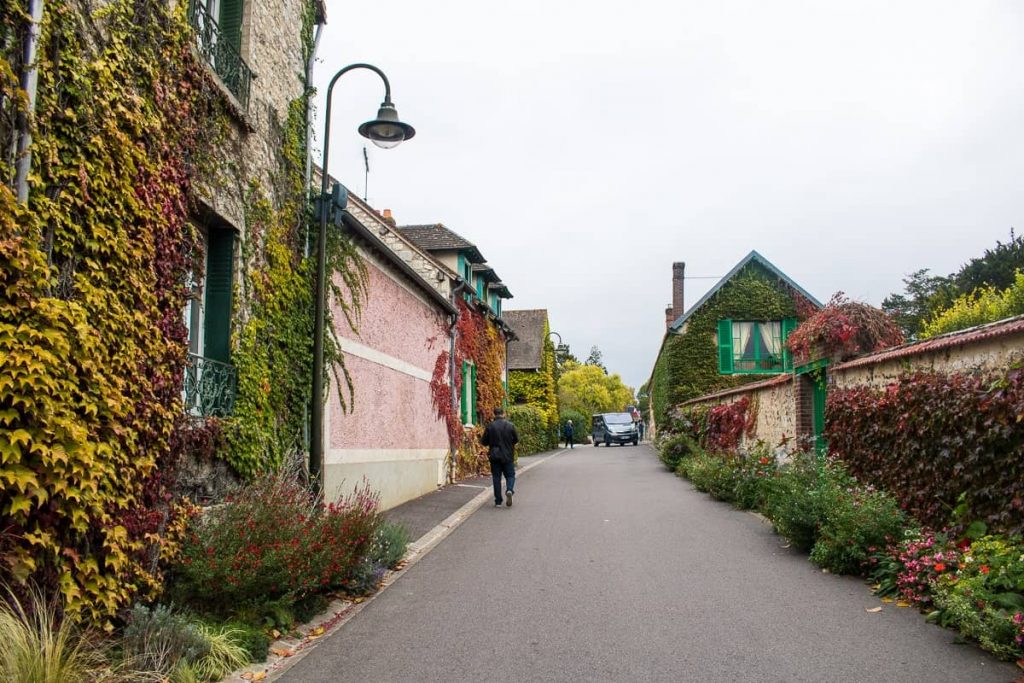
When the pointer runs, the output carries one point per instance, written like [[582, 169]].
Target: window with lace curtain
[[754, 347]]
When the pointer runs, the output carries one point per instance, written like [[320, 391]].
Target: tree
[[995, 268], [595, 359], [588, 390], [924, 295], [643, 398]]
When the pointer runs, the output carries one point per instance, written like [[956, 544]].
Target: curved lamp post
[[386, 131]]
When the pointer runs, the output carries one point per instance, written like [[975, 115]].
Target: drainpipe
[[29, 81], [309, 130], [456, 292]]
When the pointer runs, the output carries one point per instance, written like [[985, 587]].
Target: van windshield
[[618, 418]]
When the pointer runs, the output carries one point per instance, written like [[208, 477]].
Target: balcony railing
[[210, 387], [220, 54]]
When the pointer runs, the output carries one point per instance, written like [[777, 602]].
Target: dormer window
[[754, 347]]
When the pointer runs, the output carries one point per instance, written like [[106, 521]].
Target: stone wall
[[773, 399]]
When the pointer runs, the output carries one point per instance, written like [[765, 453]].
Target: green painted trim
[[811, 367]]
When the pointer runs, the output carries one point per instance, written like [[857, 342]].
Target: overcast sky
[[585, 146]]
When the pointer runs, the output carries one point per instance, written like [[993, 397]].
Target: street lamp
[[385, 131]]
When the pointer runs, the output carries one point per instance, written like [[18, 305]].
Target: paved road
[[609, 568]]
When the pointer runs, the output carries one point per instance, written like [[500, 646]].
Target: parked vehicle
[[609, 428]]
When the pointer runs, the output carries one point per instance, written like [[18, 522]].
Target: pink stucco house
[[391, 434]]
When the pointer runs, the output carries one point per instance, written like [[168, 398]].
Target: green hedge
[[532, 429]]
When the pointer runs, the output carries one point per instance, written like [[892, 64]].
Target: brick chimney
[[389, 219], [678, 269]]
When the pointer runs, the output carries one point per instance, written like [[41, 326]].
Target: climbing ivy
[[537, 389], [92, 286], [687, 366]]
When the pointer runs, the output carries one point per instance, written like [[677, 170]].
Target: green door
[[818, 398]]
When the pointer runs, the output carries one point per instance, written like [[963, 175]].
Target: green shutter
[[220, 261], [463, 398], [788, 325], [230, 22], [725, 347], [472, 402]]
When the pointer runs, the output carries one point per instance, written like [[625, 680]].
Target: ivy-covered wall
[[135, 147], [538, 389], [687, 366]]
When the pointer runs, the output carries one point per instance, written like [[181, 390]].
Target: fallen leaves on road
[[873, 610], [902, 603], [282, 652], [1020, 663], [254, 675], [315, 633], [887, 600]]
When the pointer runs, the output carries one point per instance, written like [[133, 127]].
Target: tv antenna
[[366, 175]]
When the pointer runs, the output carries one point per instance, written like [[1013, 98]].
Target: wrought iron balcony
[[220, 54], [210, 387]]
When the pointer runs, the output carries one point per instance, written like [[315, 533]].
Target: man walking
[[501, 438], [569, 433]]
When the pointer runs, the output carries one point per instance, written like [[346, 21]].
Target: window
[[754, 347], [467, 403], [218, 27], [210, 379]]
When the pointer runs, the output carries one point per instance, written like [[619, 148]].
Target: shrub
[[855, 521], [843, 329], [580, 423], [712, 474], [531, 426], [984, 305], [158, 639], [270, 542], [923, 558], [674, 448], [254, 641], [984, 597], [390, 544], [793, 501], [226, 652], [938, 443], [40, 647], [752, 478]]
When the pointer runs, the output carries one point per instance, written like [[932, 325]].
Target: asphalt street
[[610, 568]]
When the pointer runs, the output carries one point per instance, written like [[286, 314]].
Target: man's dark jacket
[[501, 438]]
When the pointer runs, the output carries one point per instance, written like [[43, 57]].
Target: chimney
[[678, 268], [389, 219], [669, 319]]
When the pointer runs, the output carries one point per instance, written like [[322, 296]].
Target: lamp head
[[386, 131]]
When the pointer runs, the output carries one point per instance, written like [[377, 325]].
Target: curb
[[341, 611]]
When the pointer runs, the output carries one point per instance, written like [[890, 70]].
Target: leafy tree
[[587, 389], [924, 294], [996, 268], [596, 359], [643, 398], [984, 305]]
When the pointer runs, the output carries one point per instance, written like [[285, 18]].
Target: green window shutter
[[788, 325], [472, 402], [725, 347], [464, 396], [220, 261], [230, 22]]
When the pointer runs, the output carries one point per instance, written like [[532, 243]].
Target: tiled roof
[[752, 256], [436, 237], [1000, 328], [525, 354]]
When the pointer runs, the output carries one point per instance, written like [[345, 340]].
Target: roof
[[528, 325], [753, 256], [436, 237], [741, 389], [1000, 328]]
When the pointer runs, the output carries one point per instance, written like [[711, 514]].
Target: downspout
[[459, 288], [29, 82], [309, 128], [309, 184]]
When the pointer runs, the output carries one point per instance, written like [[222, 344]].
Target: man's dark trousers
[[498, 468]]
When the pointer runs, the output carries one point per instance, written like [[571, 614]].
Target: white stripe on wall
[[349, 456], [380, 358]]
